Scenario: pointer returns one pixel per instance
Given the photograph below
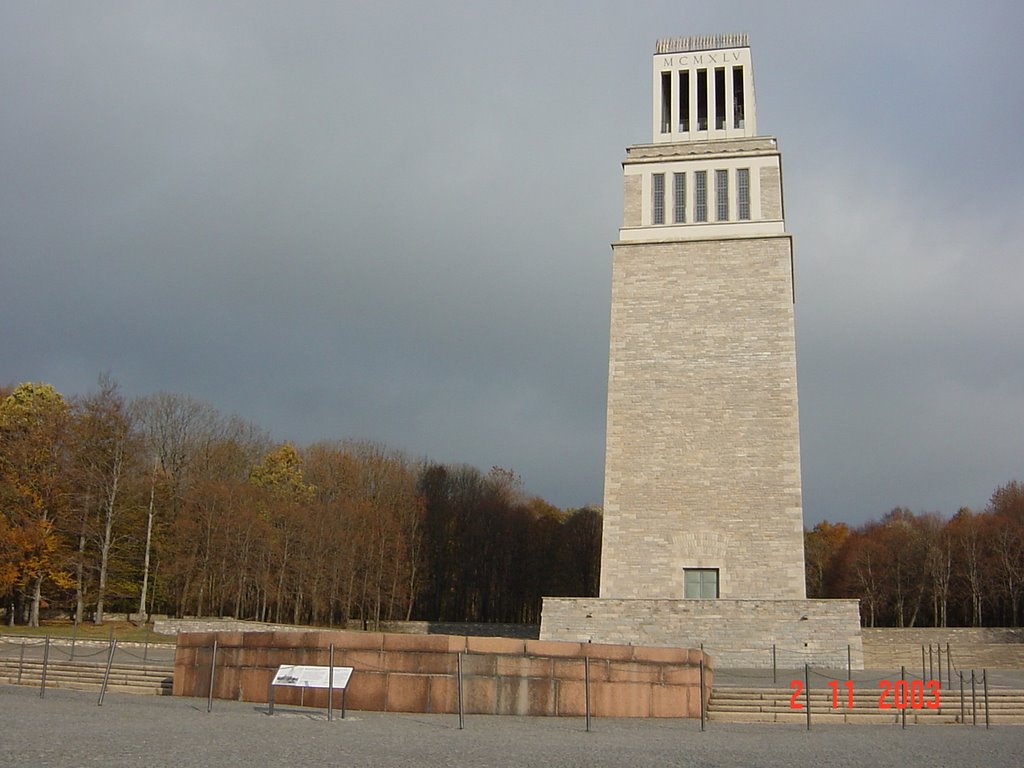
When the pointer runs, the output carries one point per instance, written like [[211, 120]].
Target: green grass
[[123, 631]]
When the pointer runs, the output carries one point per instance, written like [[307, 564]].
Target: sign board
[[312, 677]]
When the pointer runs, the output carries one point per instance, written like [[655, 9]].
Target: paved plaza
[[67, 728]]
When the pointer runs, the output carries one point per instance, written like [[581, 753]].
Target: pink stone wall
[[418, 673]]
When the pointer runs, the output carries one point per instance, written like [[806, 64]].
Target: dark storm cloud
[[393, 222]]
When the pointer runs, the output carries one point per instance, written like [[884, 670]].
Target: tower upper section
[[703, 89]]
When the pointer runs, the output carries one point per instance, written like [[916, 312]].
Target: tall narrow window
[[679, 198], [658, 198], [722, 195], [700, 195], [684, 100], [702, 99], [720, 98], [700, 583], [666, 102], [737, 97], [743, 192]]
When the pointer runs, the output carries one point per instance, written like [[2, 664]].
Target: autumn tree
[[34, 486]]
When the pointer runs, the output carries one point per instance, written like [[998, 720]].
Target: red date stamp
[[895, 694]]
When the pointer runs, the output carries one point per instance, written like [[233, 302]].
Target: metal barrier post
[[807, 693], [21, 662], [74, 637], [903, 709], [924, 671], [963, 717], [984, 684], [145, 647], [703, 716], [931, 663], [775, 679], [586, 688], [949, 667], [330, 683], [213, 670], [974, 701], [106, 674], [46, 660], [938, 653], [849, 663], [462, 716]]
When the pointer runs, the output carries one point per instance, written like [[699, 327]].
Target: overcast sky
[[393, 221]]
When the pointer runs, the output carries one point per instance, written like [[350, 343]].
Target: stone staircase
[[153, 678], [774, 705]]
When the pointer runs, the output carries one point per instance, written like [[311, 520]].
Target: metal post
[[984, 683], [807, 693], [774, 675], [145, 648], [949, 667], [21, 662], [213, 670], [963, 718], [106, 674], [462, 716], [849, 663], [703, 716], [974, 701], [931, 663], [938, 653], [924, 671], [903, 709], [46, 660], [586, 688], [330, 683], [74, 637]]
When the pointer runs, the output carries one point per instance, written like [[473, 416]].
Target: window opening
[[743, 192], [700, 583], [666, 102], [720, 98], [702, 99], [658, 198], [700, 196], [679, 198], [684, 100], [737, 97], [722, 195]]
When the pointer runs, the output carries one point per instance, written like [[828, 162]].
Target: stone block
[[480, 695], [553, 648], [496, 645], [442, 694], [672, 701], [620, 700], [524, 666], [416, 643], [406, 693], [368, 690]]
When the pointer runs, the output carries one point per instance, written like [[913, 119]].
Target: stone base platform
[[421, 673], [735, 633]]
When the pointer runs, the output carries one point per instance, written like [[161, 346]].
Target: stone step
[[89, 676], [1005, 706]]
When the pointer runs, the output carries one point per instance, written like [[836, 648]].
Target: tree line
[[924, 570], [163, 505]]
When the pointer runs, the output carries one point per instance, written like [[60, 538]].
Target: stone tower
[[702, 465]]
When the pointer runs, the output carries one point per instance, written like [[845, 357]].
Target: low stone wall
[[418, 673], [168, 626], [735, 633], [929, 635]]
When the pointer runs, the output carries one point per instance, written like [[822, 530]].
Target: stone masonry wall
[[735, 633], [419, 673], [702, 467]]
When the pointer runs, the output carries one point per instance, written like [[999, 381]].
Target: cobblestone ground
[[67, 728]]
